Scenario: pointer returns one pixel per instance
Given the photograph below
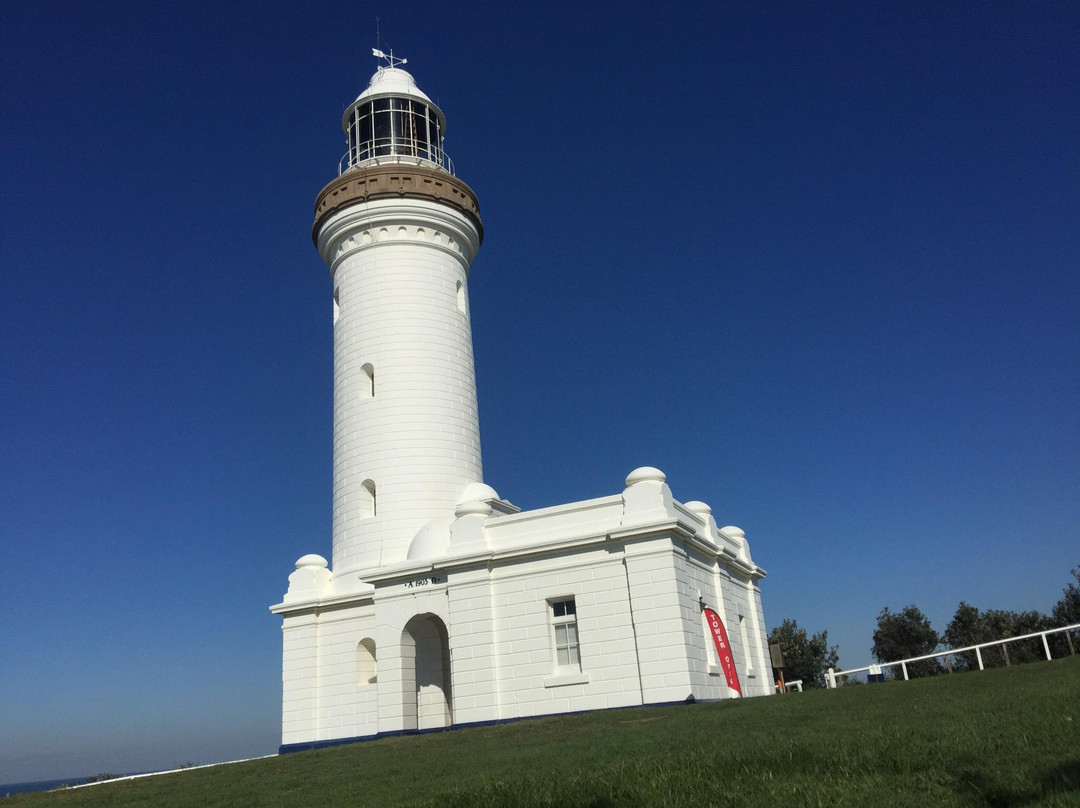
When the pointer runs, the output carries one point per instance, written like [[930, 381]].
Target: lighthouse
[[444, 604], [399, 232]]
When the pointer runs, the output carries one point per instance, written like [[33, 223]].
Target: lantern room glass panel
[[394, 127]]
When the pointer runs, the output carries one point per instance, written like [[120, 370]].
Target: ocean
[[7, 789]]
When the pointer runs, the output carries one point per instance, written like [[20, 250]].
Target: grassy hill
[[1002, 737]]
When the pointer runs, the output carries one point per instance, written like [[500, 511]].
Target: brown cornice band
[[395, 181]]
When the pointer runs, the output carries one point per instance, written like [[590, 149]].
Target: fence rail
[[832, 677]]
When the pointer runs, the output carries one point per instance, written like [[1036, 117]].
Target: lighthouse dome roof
[[393, 81]]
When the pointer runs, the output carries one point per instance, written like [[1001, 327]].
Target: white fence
[[834, 678]]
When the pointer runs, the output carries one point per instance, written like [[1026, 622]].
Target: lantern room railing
[[389, 150]]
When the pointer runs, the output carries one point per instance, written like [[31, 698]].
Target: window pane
[[397, 124], [365, 133], [382, 132], [564, 624], [407, 134], [421, 129]]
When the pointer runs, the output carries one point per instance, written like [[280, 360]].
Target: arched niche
[[425, 667], [367, 669]]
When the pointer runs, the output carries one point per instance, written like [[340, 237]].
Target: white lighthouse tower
[[446, 605], [398, 231]]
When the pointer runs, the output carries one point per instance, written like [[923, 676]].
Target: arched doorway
[[425, 652]]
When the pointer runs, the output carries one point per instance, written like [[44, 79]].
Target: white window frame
[[569, 672], [566, 625]]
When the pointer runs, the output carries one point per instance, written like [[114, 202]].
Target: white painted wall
[[400, 269]]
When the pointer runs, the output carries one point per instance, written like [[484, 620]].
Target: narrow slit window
[[368, 390], [461, 297], [710, 647], [368, 507], [337, 305]]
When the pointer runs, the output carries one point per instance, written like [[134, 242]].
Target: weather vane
[[391, 60]]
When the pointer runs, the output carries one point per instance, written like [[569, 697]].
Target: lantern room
[[393, 121]]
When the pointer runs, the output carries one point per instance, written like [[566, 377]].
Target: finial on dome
[[311, 560], [644, 474]]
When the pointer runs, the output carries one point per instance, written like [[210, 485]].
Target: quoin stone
[[444, 604]]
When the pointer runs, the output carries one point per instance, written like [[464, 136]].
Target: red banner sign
[[723, 649]]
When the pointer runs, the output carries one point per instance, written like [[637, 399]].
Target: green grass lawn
[[1008, 737]]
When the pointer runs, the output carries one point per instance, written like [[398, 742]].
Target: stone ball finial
[[474, 508], [698, 506], [311, 560], [478, 491], [645, 474], [734, 532]]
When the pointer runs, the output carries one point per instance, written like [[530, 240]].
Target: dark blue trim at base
[[288, 748]]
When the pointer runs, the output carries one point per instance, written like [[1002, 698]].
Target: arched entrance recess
[[425, 664]]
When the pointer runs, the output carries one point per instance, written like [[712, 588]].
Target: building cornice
[[318, 604], [396, 181], [673, 528]]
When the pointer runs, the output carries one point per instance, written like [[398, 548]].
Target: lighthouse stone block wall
[[406, 426]]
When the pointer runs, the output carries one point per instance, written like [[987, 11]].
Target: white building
[[445, 604]]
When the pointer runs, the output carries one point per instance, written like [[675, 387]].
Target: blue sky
[[816, 262]]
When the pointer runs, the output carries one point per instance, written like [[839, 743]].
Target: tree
[[969, 626], [906, 634], [1016, 624], [1066, 611], [805, 658], [966, 628]]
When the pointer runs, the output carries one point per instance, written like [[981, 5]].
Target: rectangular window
[[747, 656], [564, 623]]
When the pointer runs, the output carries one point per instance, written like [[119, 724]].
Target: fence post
[[830, 679], [903, 666], [1005, 650], [1046, 645], [978, 654], [1068, 636]]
